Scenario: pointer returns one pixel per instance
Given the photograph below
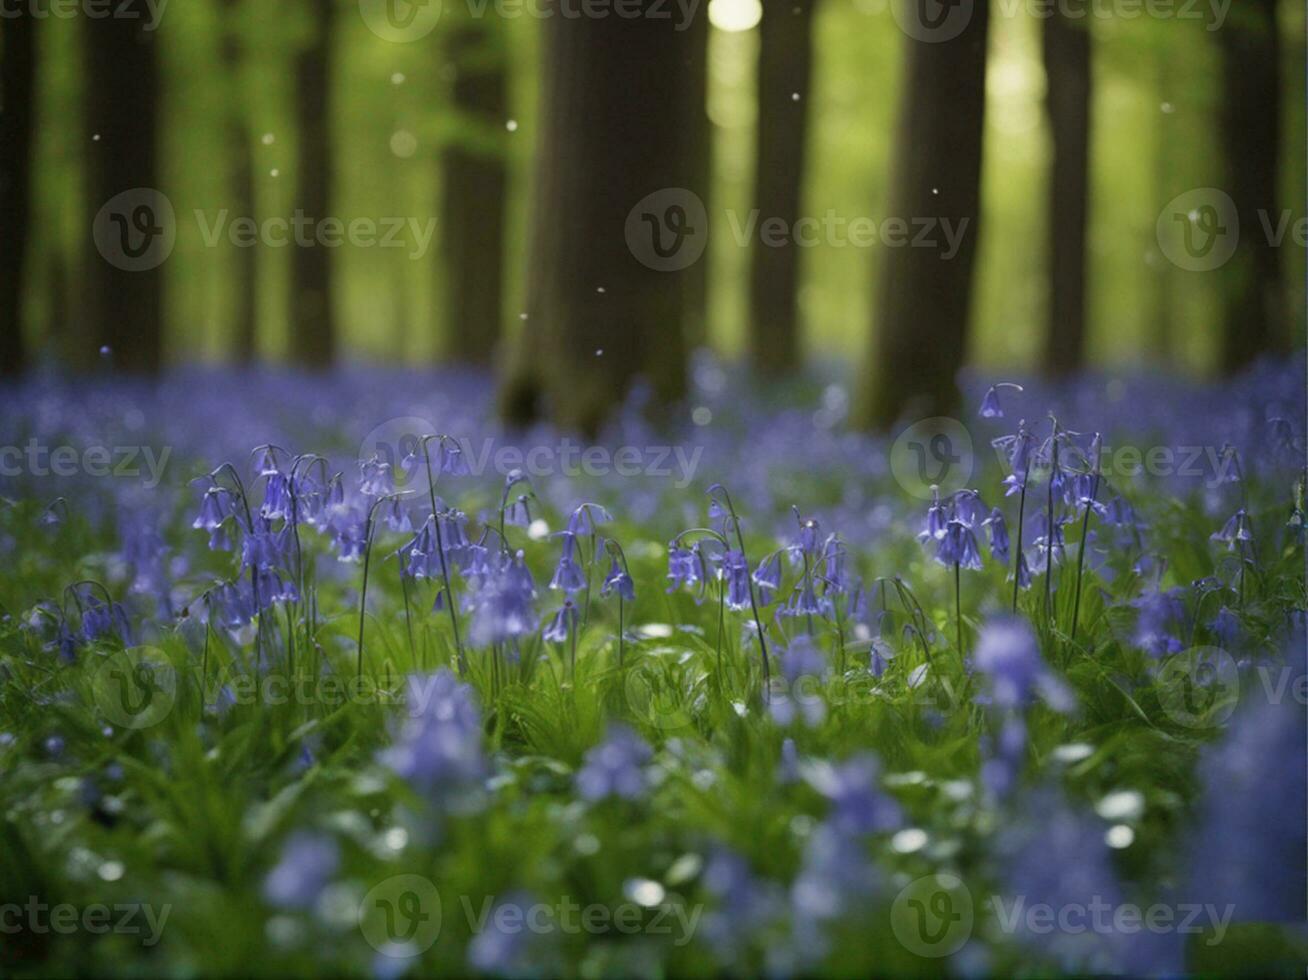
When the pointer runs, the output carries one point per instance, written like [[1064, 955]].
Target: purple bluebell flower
[[735, 571], [583, 519], [503, 604], [1225, 627], [1008, 654], [997, 529], [560, 627], [618, 581], [858, 804], [1236, 532], [214, 510], [990, 407], [377, 478], [615, 767], [568, 575], [438, 749], [958, 547], [308, 863], [1160, 620], [685, 567]]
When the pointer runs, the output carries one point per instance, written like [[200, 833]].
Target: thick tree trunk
[[785, 63], [17, 97], [1067, 68], [313, 322], [241, 150], [609, 288], [925, 294], [1251, 138], [125, 280], [474, 187]]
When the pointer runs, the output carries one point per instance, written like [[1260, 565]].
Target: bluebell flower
[[583, 519], [308, 863], [1225, 627], [615, 767], [1247, 849], [1008, 654], [685, 567], [439, 746], [958, 547], [568, 575], [990, 407], [1160, 620], [214, 510], [735, 571], [858, 804], [560, 627], [503, 604], [997, 529], [618, 581], [377, 478], [1235, 532]]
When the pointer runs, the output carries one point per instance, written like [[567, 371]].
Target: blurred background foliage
[[1155, 108]]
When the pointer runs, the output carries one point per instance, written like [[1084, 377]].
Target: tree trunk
[[785, 61], [926, 291], [135, 226], [1067, 68], [241, 150], [474, 188], [615, 228], [700, 132], [1251, 138], [313, 322], [17, 97]]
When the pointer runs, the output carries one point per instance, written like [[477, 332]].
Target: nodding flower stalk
[[440, 544], [368, 526], [1096, 450], [718, 488], [619, 580], [229, 469]]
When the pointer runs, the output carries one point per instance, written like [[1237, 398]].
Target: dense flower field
[[333, 676]]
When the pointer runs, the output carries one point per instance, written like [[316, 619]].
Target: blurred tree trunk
[[617, 125], [700, 132], [241, 155], [1160, 341], [1067, 68], [785, 62], [17, 98], [313, 321], [473, 194], [925, 292], [1251, 139], [125, 304]]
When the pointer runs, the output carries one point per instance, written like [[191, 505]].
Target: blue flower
[[615, 767], [504, 602], [997, 529], [858, 804], [618, 581], [1007, 653], [736, 572], [568, 575], [439, 745], [308, 863], [561, 626]]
